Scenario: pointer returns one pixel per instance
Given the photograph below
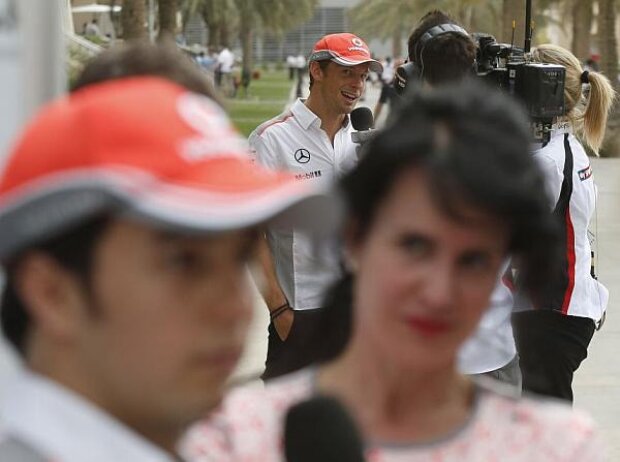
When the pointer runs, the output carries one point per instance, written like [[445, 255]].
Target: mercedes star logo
[[302, 156]]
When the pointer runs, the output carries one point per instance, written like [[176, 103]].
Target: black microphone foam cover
[[320, 429], [362, 119]]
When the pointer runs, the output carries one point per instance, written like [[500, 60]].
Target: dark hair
[[144, 58], [446, 58], [323, 64], [73, 250], [472, 143]]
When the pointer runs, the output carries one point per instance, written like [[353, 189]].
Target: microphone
[[405, 75], [362, 121], [320, 429]]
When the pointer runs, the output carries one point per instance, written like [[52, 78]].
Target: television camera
[[539, 86]]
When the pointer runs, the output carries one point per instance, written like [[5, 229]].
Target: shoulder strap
[[557, 295]]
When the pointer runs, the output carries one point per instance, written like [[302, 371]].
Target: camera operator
[[441, 52], [553, 339]]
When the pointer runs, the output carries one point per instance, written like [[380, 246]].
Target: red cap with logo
[[144, 148], [345, 49]]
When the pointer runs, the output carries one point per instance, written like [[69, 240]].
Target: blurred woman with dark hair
[[438, 201]]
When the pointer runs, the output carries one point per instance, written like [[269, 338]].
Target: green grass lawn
[[266, 98]]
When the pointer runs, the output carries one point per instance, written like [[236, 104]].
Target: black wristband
[[279, 310]]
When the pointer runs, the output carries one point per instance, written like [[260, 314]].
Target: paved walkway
[[597, 382]]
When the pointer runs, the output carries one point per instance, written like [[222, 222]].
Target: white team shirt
[[492, 345], [294, 141], [64, 427], [587, 297]]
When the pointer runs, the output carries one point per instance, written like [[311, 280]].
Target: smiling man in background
[[312, 140]]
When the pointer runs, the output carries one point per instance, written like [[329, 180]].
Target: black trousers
[[297, 350], [551, 347]]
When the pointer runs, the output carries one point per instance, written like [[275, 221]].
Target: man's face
[[341, 87], [163, 324]]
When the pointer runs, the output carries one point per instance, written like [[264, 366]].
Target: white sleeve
[[262, 152], [553, 176]]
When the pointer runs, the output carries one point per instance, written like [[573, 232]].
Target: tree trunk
[[214, 34], [609, 66], [397, 42], [467, 17], [513, 10], [224, 34], [133, 19], [167, 18], [245, 35], [582, 23], [608, 43]]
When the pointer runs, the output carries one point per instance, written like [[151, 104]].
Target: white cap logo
[[357, 42], [202, 114], [216, 135]]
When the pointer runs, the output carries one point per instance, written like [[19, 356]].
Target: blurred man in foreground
[[127, 215]]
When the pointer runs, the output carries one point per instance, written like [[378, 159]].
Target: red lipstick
[[426, 326]]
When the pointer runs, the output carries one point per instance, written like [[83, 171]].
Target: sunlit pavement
[[597, 382]]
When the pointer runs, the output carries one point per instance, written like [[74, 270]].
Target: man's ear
[[316, 71], [51, 295]]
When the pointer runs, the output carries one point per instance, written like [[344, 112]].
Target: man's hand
[[283, 323]]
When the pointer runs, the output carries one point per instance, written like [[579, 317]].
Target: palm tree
[[582, 23], [513, 11], [274, 15], [220, 17], [393, 19], [246, 16], [607, 39], [133, 19], [167, 17], [608, 44], [385, 19]]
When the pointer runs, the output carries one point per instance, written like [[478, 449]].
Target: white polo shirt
[[294, 141], [492, 345], [62, 426]]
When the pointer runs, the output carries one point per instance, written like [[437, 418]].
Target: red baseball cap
[[345, 49], [145, 148]]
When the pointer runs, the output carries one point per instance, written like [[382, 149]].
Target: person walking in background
[[291, 64], [424, 242], [300, 69], [92, 29], [553, 329], [313, 140], [225, 63]]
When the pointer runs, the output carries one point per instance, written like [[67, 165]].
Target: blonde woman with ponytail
[[588, 114], [553, 332]]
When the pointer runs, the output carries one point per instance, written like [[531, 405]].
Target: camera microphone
[[320, 429], [362, 121]]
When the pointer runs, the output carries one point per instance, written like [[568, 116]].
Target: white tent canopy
[[95, 8]]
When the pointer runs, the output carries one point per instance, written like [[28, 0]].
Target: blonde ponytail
[[597, 109], [589, 115]]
